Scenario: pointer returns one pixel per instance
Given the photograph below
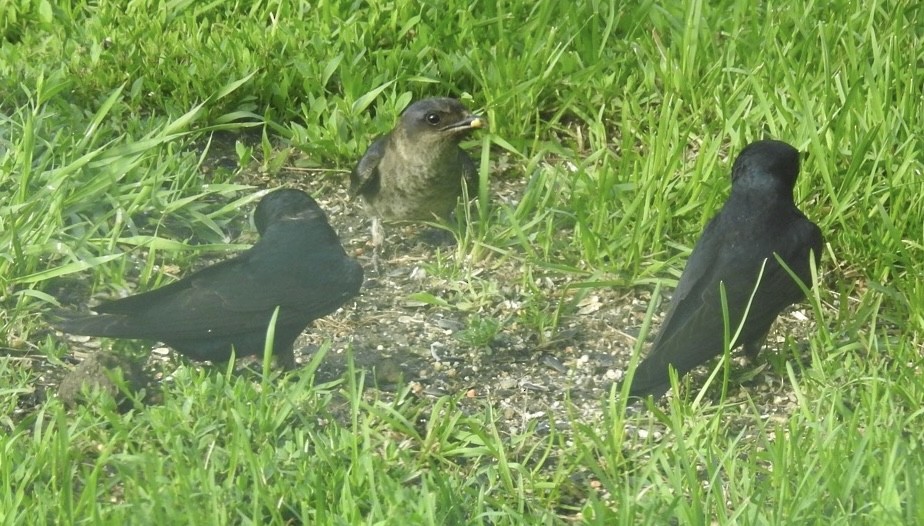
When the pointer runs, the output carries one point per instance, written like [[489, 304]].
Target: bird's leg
[[752, 348], [378, 241], [285, 359]]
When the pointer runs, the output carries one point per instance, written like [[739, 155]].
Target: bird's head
[[768, 157], [284, 203], [438, 120]]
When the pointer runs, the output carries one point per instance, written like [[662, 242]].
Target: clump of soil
[[103, 373]]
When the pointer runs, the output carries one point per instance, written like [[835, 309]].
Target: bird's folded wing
[[365, 177], [695, 282], [236, 296]]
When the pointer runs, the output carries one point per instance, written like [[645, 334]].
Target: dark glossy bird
[[416, 171], [297, 265], [758, 220]]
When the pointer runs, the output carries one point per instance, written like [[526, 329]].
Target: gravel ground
[[531, 380]]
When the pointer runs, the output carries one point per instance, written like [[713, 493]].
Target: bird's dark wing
[[300, 266], [777, 289], [306, 279], [698, 275], [693, 331], [364, 179]]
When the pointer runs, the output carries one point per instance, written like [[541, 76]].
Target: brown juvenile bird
[[758, 221], [416, 171], [297, 265]]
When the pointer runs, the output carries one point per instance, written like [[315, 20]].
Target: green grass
[[622, 120]]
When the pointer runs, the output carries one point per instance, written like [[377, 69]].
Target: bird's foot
[[285, 360], [438, 237], [376, 263], [378, 241]]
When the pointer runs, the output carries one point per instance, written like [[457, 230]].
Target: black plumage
[[758, 220], [298, 265]]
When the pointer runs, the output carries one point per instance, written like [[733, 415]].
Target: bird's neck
[[762, 188], [422, 151]]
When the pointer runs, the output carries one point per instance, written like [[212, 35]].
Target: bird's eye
[[433, 118]]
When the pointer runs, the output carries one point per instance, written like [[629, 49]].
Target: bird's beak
[[468, 123]]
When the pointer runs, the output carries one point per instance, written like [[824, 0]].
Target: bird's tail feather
[[107, 325]]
